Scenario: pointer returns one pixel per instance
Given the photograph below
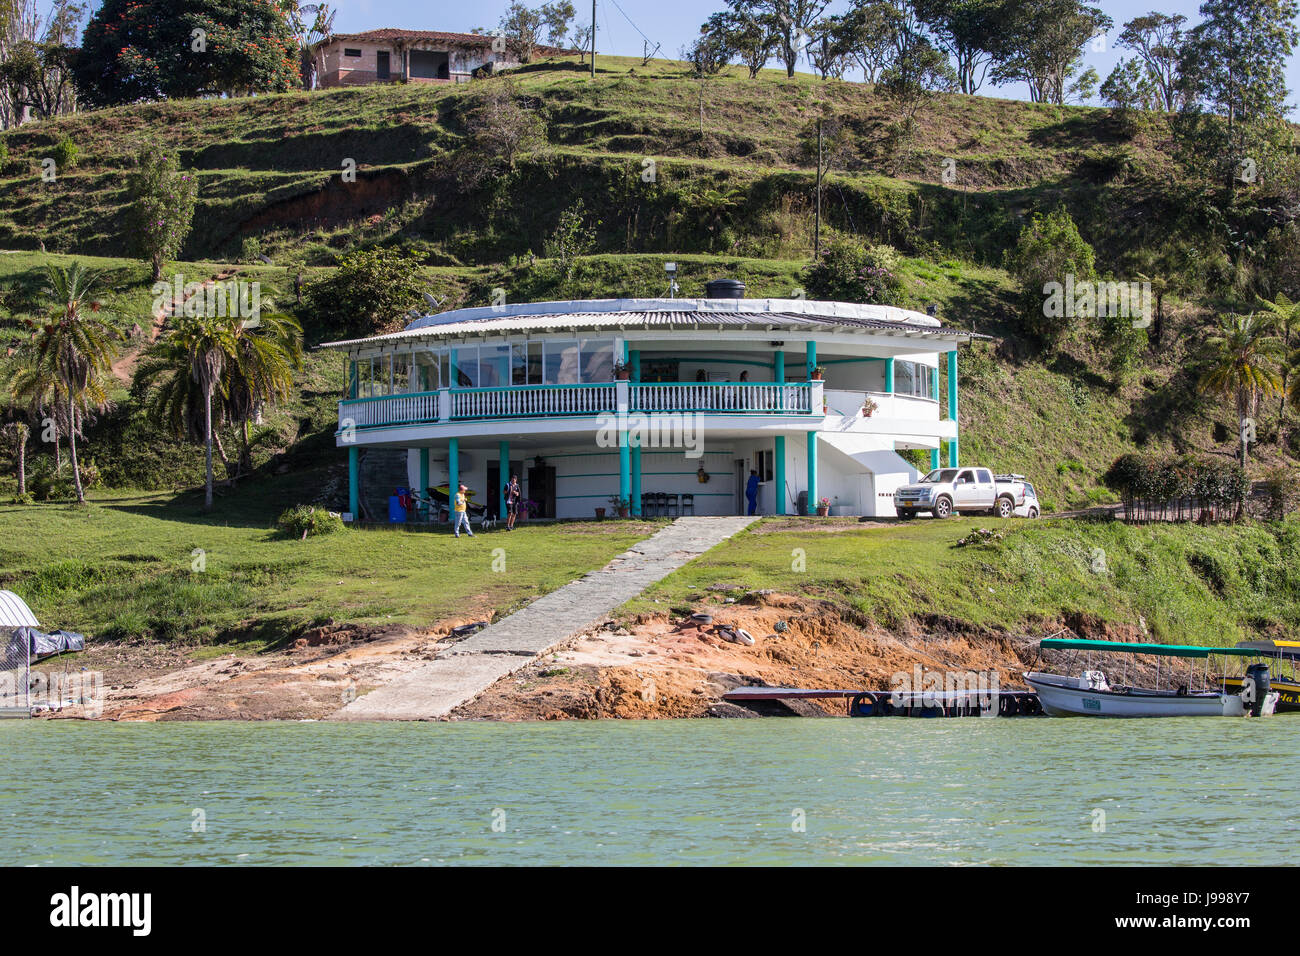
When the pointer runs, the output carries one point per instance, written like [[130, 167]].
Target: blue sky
[[673, 23]]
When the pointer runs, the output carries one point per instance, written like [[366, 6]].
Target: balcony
[[525, 402]]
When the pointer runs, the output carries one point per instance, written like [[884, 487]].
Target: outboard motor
[[1255, 688]]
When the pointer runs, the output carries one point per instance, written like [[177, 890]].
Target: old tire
[[943, 508], [1005, 508]]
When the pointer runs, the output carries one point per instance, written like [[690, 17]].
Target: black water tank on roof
[[724, 289]]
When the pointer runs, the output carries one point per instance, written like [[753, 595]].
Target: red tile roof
[[390, 35]]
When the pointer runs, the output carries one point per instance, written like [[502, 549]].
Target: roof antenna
[[671, 269], [436, 303]]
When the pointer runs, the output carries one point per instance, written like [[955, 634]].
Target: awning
[[14, 611], [1161, 650]]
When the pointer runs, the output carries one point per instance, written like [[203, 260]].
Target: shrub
[[65, 153], [849, 271], [306, 521], [1049, 250], [1176, 488], [1282, 495]]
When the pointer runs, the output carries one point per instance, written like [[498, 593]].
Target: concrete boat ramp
[[468, 668]]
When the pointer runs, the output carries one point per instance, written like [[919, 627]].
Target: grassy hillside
[[1182, 584], [734, 199]]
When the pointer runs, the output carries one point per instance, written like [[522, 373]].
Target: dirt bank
[[660, 666], [672, 666]]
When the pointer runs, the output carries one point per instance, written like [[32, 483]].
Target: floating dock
[[884, 703]]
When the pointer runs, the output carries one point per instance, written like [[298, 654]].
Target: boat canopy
[[1162, 650], [1290, 649]]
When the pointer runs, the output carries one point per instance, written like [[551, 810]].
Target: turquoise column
[[354, 482], [934, 394], [812, 359], [780, 473], [453, 475], [636, 481], [424, 471], [634, 360], [352, 380], [889, 376], [504, 449], [812, 473], [624, 466], [953, 458], [778, 371]]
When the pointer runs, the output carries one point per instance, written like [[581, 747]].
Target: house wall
[[586, 479], [335, 69]]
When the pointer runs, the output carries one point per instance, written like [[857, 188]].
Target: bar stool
[[688, 501]]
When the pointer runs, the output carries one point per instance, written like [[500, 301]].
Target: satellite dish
[[431, 300]]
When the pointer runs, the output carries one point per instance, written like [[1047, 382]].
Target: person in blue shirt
[[751, 491]]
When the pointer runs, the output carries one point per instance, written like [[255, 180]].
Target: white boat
[[1091, 695]]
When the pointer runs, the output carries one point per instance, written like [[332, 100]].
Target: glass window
[[597, 360], [464, 367], [427, 375], [493, 366], [363, 378], [534, 363], [401, 373], [381, 375], [560, 361]]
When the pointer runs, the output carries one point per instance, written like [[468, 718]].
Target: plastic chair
[[688, 501], [672, 506], [647, 505], [661, 504]]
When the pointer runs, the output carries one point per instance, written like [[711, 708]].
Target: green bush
[[65, 153], [306, 521], [1282, 492], [1156, 487], [849, 271]]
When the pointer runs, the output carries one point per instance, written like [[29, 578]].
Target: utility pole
[[593, 39], [817, 232]]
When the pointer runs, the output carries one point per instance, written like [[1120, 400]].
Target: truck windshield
[[940, 475]]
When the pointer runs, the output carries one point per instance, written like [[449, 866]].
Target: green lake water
[[771, 791]]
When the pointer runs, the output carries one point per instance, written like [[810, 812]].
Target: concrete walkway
[[466, 669]]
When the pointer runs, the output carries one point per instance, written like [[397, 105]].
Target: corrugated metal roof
[[686, 319], [390, 35], [14, 611]]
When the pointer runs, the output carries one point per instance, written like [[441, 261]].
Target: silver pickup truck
[[946, 491]]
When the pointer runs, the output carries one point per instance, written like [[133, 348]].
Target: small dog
[[488, 523]]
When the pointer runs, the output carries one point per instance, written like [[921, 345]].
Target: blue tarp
[[40, 644]]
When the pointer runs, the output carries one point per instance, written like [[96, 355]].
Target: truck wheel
[[943, 508], [1005, 508]]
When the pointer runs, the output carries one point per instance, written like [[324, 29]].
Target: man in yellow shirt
[[462, 512]]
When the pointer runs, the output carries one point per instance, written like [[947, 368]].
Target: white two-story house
[[663, 405]]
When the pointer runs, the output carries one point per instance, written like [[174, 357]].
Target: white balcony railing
[[532, 401], [389, 410], [556, 401], [722, 397]]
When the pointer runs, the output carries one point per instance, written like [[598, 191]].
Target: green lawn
[[1200, 585], [126, 567]]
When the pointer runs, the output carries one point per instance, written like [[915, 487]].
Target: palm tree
[[1284, 317], [31, 387], [19, 432], [267, 353], [1242, 355], [185, 374], [78, 350]]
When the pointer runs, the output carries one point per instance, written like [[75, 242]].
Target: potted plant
[[622, 506], [622, 371], [818, 373], [869, 407], [823, 507], [600, 514]]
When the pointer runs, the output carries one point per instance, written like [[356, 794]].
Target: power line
[[629, 20]]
